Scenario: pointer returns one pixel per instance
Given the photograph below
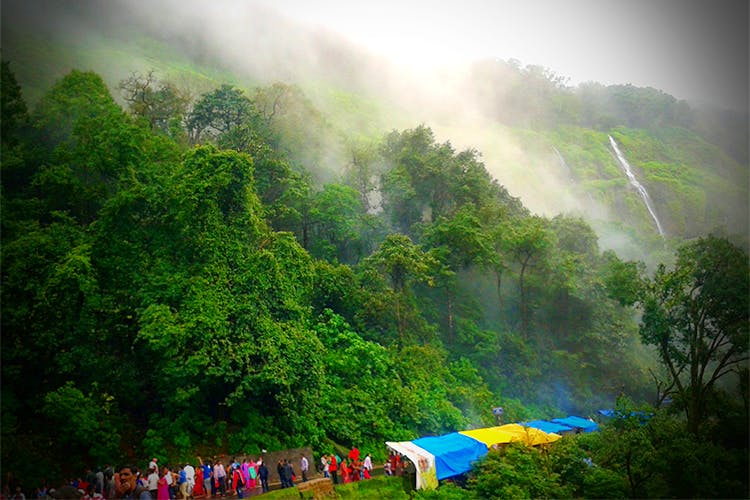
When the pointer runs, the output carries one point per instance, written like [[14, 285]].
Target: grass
[[379, 487]]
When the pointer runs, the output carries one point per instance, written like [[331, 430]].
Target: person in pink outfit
[[162, 492]]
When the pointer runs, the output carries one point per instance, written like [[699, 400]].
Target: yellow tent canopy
[[490, 435], [530, 435], [511, 433]]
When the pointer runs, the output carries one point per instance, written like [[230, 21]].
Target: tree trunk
[[399, 321], [499, 276], [449, 307], [524, 307]]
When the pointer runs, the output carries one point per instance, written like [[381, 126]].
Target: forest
[[214, 248], [177, 283]]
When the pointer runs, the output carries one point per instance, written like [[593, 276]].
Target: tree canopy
[[175, 280]]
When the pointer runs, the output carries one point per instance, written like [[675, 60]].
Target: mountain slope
[[524, 121]]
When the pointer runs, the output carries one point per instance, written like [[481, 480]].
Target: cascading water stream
[[563, 163], [637, 185]]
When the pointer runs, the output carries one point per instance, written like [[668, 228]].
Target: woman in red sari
[[356, 467], [345, 472], [198, 490], [237, 481]]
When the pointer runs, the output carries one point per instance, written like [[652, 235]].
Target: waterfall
[[637, 185], [563, 163]]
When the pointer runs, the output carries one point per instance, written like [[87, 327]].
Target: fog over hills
[[255, 44]]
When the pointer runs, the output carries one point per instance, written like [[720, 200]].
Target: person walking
[[303, 466], [163, 488], [220, 475], [263, 475], [367, 467], [333, 469], [152, 481], [237, 480], [288, 473], [208, 473]]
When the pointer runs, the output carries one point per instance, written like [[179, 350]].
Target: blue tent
[[642, 416], [546, 426], [454, 453], [584, 424]]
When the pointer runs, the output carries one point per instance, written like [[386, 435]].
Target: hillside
[[521, 119], [210, 251]]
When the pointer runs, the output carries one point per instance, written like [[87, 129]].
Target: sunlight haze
[[691, 49]]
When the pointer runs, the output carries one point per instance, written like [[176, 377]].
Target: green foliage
[[84, 423], [697, 317], [357, 399], [426, 180], [623, 279], [517, 471], [160, 104], [401, 261], [13, 112], [335, 213], [87, 144], [604, 483], [219, 112], [424, 391], [379, 487], [160, 299], [446, 491], [402, 264], [658, 458]]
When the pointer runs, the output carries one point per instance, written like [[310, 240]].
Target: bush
[[604, 483]]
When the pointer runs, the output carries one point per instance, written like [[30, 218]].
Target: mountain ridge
[[486, 106]]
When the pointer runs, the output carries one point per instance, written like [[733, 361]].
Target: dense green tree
[[159, 299], [219, 112], [517, 471], [402, 263], [358, 403], [16, 171], [696, 315], [460, 242], [336, 211], [655, 457], [623, 279], [362, 173], [528, 243], [161, 104], [13, 110], [88, 146], [426, 180], [83, 421], [425, 392]]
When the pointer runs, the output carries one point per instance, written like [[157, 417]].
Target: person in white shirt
[[190, 476], [152, 481], [221, 476], [304, 465], [170, 481]]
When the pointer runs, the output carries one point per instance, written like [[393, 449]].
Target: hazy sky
[[696, 49]]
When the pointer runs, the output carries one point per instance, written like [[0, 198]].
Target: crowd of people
[[156, 482], [352, 468], [187, 482]]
